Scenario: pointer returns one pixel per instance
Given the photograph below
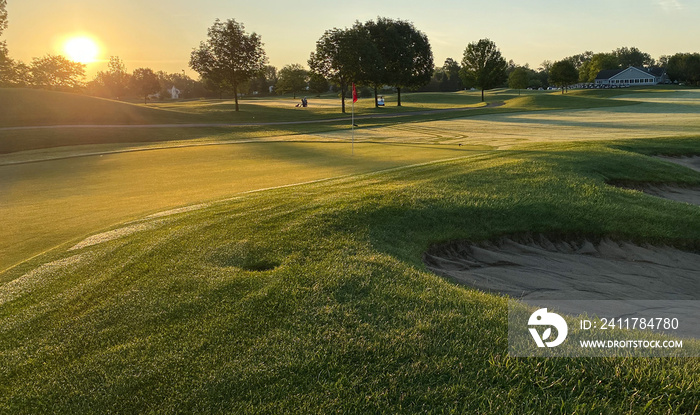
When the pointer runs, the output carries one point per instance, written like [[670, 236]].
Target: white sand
[[541, 268], [537, 269], [689, 162]]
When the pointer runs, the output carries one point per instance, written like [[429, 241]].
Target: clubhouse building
[[632, 76]]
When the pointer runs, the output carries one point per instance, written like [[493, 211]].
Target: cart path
[[254, 124]]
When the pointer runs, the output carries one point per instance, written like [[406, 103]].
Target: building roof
[[608, 73]]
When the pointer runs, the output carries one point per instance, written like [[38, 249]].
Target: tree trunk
[[235, 94], [482, 95], [398, 90], [343, 90], [145, 100], [376, 103]]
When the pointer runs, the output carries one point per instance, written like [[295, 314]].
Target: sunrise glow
[[81, 49]]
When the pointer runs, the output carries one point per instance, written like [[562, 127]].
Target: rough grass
[[314, 299]]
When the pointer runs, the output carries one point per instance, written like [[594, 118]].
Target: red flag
[[354, 94]]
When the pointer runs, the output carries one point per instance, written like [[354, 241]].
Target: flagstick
[[353, 126]]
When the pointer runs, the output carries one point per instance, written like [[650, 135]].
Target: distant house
[[632, 76], [174, 93]]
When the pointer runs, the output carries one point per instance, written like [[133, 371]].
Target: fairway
[[48, 203]]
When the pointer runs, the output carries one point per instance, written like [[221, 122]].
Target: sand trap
[[689, 162], [667, 191], [537, 269], [676, 193]]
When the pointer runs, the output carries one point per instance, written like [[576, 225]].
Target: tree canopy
[[3, 16], [145, 81], [483, 66], [627, 57], [405, 56], [230, 56], [598, 62], [339, 57], [563, 74], [684, 67], [292, 78], [57, 72], [519, 79]]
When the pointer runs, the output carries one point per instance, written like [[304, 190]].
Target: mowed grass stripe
[[48, 203]]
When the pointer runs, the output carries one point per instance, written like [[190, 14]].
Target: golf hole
[[246, 256]]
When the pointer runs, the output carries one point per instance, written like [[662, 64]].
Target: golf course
[[181, 257]]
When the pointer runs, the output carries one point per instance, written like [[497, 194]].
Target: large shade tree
[[405, 55], [292, 78], [563, 74], [229, 57], [339, 57], [598, 62], [483, 66], [684, 67]]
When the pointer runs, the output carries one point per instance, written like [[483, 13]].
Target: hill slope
[[31, 107]]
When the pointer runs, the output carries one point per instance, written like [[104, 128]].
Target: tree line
[[374, 55]]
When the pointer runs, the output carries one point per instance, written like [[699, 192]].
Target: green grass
[[50, 202], [37, 108], [313, 299]]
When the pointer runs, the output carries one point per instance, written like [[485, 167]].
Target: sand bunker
[[668, 191], [689, 162], [676, 193], [537, 269]]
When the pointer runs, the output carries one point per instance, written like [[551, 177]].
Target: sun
[[81, 49]]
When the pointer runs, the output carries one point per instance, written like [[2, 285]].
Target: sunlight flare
[[81, 49]]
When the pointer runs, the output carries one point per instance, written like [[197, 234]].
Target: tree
[[3, 16], [598, 62], [451, 80], [563, 74], [292, 78], [145, 82], [483, 66], [6, 64], [57, 72], [518, 79], [684, 67], [632, 57], [338, 58], [230, 56], [261, 83], [405, 56], [318, 83], [580, 59]]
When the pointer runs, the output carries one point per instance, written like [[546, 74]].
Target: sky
[[160, 34]]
